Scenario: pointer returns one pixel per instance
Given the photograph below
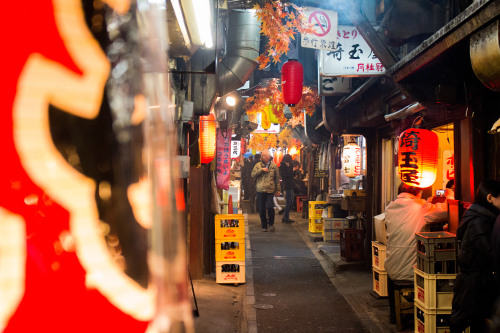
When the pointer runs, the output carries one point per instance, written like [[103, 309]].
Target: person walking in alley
[[267, 179], [287, 176], [404, 217], [475, 291]]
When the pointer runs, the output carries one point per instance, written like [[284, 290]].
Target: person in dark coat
[[475, 290], [495, 244], [288, 182]]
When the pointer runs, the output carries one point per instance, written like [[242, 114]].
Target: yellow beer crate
[[434, 291], [316, 209], [229, 226], [230, 250], [378, 255], [230, 272], [431, 321], [380, 282], [316, 226]]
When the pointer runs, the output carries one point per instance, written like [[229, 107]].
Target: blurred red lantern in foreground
[[292, 75], [207, 138], [418, 157]]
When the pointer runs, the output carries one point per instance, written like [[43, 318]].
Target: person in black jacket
[[288, 182], [475, 291]]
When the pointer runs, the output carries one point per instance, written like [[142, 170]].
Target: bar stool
[[404, 293]]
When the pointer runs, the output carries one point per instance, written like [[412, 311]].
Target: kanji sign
[[350, 56], [333, 85], [448, 166], [235, 148], [325, 26]]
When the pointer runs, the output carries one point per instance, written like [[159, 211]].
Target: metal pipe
[[243, 43], [406, 111]]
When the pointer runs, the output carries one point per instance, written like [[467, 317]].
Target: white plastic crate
[[331, 235], [378, 255], [380, 282], [232, 272], [434, 291], [335, 223]]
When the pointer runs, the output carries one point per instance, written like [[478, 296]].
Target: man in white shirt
[[404, 217]]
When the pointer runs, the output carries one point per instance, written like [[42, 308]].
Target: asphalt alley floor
[[292, 291]]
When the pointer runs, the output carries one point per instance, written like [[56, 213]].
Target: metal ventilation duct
[[242, 48]]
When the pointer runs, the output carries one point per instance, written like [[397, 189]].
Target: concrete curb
[[249, 320]]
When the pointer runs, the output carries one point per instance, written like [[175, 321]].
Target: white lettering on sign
[[350, 56], [325, 29]]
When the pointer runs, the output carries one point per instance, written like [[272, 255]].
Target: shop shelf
[[230, 272], [378, 255], [434, 291], [380, 282], [316, 209], [233, 250], [316, 226], [229, 226]]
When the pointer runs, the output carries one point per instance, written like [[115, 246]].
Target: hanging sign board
[[351, 56], [325, 26], [235, 148], [334, 85]]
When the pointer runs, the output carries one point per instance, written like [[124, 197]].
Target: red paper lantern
[[292, 76], [351, 160], [207, 138], [418, 157], [278, 157]]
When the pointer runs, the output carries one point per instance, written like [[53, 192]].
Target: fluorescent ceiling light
[[198, 17], [180, 19]]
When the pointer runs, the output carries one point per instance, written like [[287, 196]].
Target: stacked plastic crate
[[230, 248], [332, 227], [315, 216], [378, 268], [351, 244], [435, 276]]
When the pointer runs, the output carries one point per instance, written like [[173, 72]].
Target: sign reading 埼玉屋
[[325, 29], [351, 56]]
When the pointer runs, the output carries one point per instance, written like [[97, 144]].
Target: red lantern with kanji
[[351, 160], [418, 157], [207, 138], [292, 75]]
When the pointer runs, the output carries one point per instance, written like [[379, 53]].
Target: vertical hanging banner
[[325, 29], [223, 158]]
